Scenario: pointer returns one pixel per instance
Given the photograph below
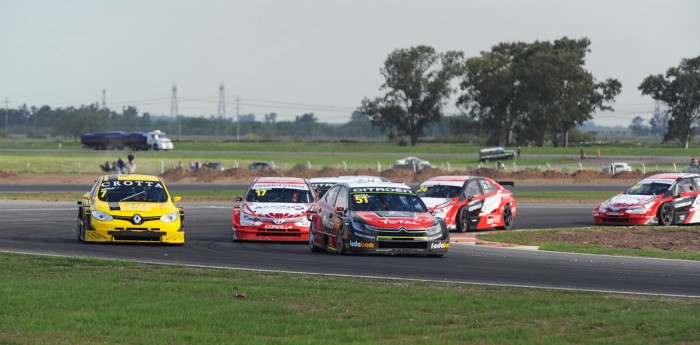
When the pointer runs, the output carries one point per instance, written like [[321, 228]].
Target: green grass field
[[51, 300], [527, 238]]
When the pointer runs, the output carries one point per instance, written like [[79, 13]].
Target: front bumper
[[362, 243], [602, 218], [270, 232], [148, 232]]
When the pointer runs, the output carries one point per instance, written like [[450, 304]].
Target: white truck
[[134, 140]]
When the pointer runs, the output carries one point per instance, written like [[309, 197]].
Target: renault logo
[[137, 219]]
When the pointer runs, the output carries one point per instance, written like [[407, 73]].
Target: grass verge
[[535, 238], [50, 300]]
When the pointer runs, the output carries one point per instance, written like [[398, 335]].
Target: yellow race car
[[130, 208]]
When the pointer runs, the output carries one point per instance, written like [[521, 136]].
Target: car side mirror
[[176, 198], [238, 198], [86, 197], [339, 210]]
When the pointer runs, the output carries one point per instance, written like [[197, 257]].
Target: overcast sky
[[298, 56]]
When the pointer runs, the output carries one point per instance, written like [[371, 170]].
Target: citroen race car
[[322, 184], [469, 202], [662, 199], [130, 208], [274, 208], [376, 217]]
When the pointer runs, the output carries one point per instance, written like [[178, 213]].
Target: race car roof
[[130, 177], [289, 180], [346, 178], [447, 180], [670, 176], [358, 184]]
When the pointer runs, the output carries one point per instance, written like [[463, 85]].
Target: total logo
[[360, 244], [399, 221], [440, 245]]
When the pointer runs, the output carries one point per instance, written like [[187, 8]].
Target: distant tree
[[418, 83], [680, 90], [659, 123], [270, 118], [638, 128], [358, 116], [539, 91]]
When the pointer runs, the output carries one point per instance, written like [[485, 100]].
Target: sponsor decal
[[381, 190], [360, 244], [398, 221], [474, 207], [440, 245], [614, 213], [684, 204], [277, 226], [279, 186], [111, 184]]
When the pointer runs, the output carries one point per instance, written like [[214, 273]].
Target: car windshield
[[386, 202], [282, 194], [132, 191], [648, 188], [438, 191]]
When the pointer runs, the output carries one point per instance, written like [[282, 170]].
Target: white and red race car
[[662, 199], [274, 208], [468, 203]]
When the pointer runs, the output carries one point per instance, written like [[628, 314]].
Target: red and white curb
[[470, 239]]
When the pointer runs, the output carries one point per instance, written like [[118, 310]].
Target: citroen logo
[[137, 219], [402, 229]]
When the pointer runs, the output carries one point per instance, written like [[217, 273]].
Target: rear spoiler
[[506, 183]]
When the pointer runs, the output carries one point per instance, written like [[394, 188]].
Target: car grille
[[137, 235], [279, 232], [394, 244]]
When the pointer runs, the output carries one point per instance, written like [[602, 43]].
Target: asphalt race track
[[49, 228]]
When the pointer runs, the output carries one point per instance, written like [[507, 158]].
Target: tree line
[[517, 93]]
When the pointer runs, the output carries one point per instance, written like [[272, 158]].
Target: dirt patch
[[680, 240]]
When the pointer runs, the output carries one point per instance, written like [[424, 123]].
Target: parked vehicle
[[495, 153], [662, 199], [469, 202], [614, 168], [413, 163], [214, 165], [260, 166], [133, 140]]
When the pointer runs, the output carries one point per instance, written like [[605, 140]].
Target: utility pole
[[7, 129], [104, 99], [222, 105], [174, 111], [238, 119]]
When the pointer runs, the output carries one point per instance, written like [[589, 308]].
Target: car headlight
[[101, 216], [603, 207], [441, 212], [434, 229], [247, 220], [641, 209], [170, 217]]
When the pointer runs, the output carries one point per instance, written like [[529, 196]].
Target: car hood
[[627, 200], [433, 202], [134, 206], [397, 219], [277, 210]]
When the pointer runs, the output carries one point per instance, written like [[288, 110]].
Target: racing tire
[[463, 220], [435, 255], [507, 218], [340, 242], [312, 238], [665, 214], [79, 231]]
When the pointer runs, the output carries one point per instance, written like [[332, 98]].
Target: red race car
[[274, 208], [469, 202], [662, 199]]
